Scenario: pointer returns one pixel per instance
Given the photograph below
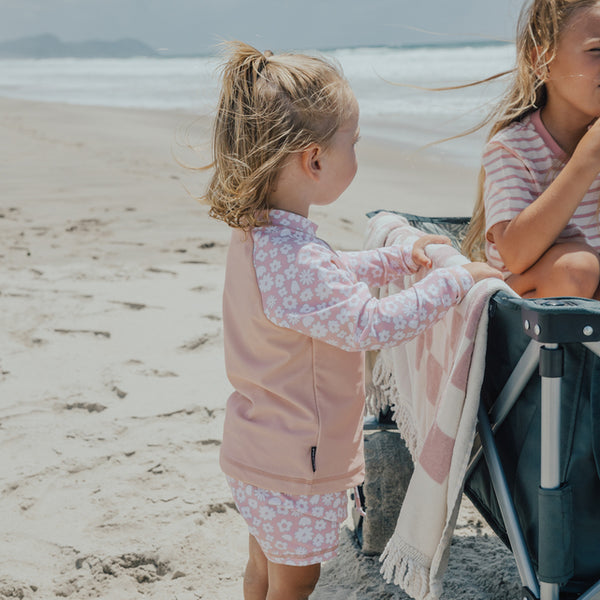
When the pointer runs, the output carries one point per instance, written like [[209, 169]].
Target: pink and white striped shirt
[[520, 162]]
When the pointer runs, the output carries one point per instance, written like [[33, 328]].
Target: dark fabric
[[453, 227], [556, 535], [518, 441]]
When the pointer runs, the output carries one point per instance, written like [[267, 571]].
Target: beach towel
[[433, 384]]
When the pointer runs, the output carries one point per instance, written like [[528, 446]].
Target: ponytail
[[270, 107]]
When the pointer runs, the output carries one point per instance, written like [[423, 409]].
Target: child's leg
[[256, 577], [292, 583], [566, 269]]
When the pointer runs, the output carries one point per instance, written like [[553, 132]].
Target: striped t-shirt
[[520, 162]]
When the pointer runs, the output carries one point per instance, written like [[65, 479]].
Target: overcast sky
[[195, 26]]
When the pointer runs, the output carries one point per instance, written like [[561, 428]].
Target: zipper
[[313, 458]]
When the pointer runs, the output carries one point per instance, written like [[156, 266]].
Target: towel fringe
[[382, 391], [406, 571]]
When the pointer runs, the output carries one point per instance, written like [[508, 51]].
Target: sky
[[196, 26]]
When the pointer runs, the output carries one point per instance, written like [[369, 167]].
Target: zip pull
[[313, 458]]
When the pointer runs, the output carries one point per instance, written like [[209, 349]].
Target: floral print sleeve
[[380, 266], [307, 287]]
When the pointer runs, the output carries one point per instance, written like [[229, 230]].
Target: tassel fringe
[[405, 567]]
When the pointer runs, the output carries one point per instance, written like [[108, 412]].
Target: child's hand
[[481, 270], [587, 151], [418, 251]]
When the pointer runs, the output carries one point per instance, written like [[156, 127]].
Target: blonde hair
[[270, 107], [540, 25]]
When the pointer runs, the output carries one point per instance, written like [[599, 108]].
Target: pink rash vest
[[297, 317]]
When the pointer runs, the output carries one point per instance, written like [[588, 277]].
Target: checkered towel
[[433, 383]]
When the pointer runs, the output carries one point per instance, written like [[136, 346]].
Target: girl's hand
[[587, 152], [418, 250]]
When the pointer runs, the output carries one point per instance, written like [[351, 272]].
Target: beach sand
[[112, 385]]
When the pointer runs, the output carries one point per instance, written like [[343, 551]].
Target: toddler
[[297, 314]]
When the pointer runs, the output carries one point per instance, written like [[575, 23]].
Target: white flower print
[[284, 525], [318, 512], [267, 527], [306, 277], [323, 291], [327, 499], [331, 538], [331, 515], [265, 282], [318, 540], [320, 525], [306, 295], [303, 534], [318, 330], [261, 494], [333, 326], [295, 288], [291, 272], [266, 513], [252, 503], [307, 321], [279, 281]]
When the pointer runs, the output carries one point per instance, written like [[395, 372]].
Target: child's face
[[573, 81], [339, 159]]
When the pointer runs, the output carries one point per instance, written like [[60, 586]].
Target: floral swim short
[[292, 530]]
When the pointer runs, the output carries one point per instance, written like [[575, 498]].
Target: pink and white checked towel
[[433, 382]]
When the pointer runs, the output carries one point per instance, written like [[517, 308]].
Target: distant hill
[[50, 46]]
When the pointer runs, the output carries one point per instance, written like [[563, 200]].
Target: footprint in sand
[[91, 407], [219, 508], [196, 343]]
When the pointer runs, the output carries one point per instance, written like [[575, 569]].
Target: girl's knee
[[577, 273], [292, 583]]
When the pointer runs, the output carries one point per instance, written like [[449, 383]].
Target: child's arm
[[522, 240], [324, 300], [380, 266]]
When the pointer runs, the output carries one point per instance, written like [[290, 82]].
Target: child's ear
[[311, 161]]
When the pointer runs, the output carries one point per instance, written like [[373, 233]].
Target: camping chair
[[535, 468]]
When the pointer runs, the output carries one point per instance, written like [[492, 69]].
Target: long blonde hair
[[540, 25], [270, 106]]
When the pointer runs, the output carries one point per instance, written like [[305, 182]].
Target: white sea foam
[[191, 84]]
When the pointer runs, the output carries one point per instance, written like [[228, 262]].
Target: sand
[[112, 386]]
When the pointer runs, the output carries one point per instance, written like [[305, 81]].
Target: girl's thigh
[[565, 269]]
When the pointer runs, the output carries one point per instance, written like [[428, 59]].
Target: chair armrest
[[557, 320]]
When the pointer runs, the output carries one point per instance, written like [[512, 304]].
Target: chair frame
[[549, 322]]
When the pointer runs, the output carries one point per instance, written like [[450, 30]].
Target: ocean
[[380, 76]]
